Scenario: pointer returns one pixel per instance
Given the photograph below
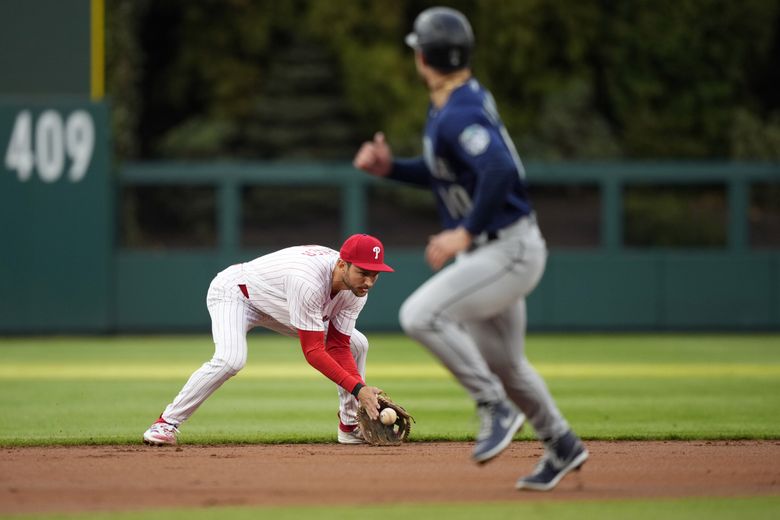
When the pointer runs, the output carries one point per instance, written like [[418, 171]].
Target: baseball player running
[[471, 314], [310, 292]]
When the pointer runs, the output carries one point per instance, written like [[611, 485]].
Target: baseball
[[388, 416]]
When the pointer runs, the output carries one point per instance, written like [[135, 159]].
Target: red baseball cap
[[365, 252]]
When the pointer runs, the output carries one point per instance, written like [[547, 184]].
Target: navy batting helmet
[[444, 37]]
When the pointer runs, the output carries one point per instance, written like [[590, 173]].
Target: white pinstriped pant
[[231, 318]]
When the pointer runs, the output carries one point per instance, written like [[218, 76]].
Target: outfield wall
[[579, 291], [57, 256], [606, 287], [66, 268]]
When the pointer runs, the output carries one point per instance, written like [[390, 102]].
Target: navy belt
[[493, 235], [484, 238]]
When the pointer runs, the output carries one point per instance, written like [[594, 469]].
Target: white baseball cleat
[[353, 437], [161, 434]]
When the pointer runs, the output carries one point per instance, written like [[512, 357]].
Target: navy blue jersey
[[470, 164]]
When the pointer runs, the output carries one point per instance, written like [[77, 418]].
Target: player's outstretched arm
[[375, 157]]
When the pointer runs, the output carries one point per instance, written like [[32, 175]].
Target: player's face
[[358, 280]]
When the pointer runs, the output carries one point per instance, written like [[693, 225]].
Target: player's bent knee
[[230, 366], [413, 318], [234, 368], [358, 343]]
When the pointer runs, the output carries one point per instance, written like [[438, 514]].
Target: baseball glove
[[378, 434]]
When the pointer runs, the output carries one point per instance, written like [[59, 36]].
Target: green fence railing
[[611, 178], [606, 287]]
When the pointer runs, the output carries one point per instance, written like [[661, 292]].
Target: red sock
[[347, 427]]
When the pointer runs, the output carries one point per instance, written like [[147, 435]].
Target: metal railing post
[[229, 217], [738, 205], [611, 213], [353, 207]]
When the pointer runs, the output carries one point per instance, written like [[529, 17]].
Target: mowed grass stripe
[[125, 371], [710, 508]]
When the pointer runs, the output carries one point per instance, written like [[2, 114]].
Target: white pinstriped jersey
[[293, 287]]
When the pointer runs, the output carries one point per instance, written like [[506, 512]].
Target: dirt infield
[[114, 478]]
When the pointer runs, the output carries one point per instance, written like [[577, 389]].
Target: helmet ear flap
[[446, 59], [444, 37]]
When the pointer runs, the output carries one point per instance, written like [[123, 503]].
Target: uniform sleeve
[[337, 347], [411, 171], [304, 304], [479, 144], [314, 350]]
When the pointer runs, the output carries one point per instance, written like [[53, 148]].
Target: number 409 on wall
[[43, 145]]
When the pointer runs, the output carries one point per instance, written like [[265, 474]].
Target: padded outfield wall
[[68, 266], [608, 285]]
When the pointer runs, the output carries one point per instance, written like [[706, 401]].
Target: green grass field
[[761, 508], [106, 390]]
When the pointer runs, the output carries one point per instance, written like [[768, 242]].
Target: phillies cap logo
[[376, 250]]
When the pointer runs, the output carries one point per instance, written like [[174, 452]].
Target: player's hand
[[368, 400], [374, 157], [445, 245]]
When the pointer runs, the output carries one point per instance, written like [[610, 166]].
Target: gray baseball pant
[[472, 316]]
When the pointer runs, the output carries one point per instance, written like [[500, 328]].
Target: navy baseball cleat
[[500, 422], [561, 456]]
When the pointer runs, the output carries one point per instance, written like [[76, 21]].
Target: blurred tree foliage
[[573, 80]]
